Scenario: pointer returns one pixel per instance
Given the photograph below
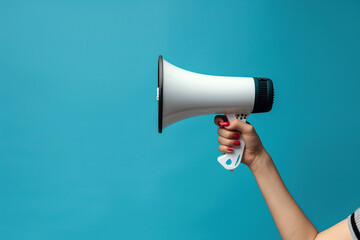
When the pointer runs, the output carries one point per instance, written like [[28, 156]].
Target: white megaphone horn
[[183, 94]]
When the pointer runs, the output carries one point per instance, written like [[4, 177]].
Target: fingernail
[[236, 135], [219, 123], [225, 124], [231, 170], [237, 143], [230, 148]]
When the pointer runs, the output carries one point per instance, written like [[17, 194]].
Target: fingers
[[219, 119], [235, 125], [238, 125], [228, 142], [228, 134], [225, 149]]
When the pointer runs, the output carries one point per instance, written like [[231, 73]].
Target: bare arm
[[338, 231], [290, 220]]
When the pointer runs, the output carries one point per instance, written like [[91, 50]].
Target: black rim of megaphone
[[160, 86]]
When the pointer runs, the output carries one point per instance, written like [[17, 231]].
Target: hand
[[230, 133]]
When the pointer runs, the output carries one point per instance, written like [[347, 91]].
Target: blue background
[[80, 156]]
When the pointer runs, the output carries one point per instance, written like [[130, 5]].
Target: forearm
[[288, 216]]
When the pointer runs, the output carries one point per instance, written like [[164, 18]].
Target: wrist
[[261, 161]]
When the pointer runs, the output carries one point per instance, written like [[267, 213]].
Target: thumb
[[238, 125]]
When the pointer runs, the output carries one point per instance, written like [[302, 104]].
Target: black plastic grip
[[264, 95]]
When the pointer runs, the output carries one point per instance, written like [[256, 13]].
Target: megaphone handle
[[232, 160]]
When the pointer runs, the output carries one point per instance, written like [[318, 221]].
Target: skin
[[290, 220]]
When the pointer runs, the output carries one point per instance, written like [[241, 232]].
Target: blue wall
[[80, 156]]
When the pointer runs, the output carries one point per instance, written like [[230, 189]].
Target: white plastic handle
[[232, 160]]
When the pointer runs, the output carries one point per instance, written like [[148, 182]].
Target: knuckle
[[251, 128], [237, 121]]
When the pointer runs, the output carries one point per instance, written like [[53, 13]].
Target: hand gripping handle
[[232, 159]]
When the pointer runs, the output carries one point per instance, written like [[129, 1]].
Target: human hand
[[229, 135]]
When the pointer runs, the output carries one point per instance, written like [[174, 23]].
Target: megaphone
[[183, 94]]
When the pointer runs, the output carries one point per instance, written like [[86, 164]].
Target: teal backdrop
[[80, 155]]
